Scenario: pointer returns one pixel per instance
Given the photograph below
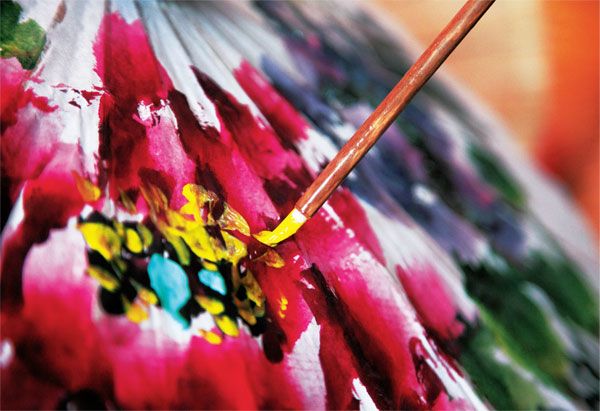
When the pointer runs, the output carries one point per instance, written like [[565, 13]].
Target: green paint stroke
[[518, 323], [520, 308], [564, 283], [25, 40], [491, 171], [496, 381], [499, 376]]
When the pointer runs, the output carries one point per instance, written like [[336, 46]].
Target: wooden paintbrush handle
[[370, 131]]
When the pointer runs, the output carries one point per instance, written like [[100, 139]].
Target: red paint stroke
[[431, 300], [14, 95], [48, 202], [126, 63], [27, 148], [221, 167], [139, 141], [35, 163], [282, 116], [425, 375], [379, 334], [25, 151], [338, 360], [354, 216]]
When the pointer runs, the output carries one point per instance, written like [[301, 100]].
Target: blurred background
[[535, 64]]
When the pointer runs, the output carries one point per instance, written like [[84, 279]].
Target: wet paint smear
[[130, 274]]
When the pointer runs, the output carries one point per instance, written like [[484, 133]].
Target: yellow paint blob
[[101, 238], [210, 266], [211, 305], [198, 197], [147, 296], [186, 229], [133, 241], [135, 312], [211, 337], [234, 249], [284, 230], [105, 279], [271, 258], [227, 325], [198, 240], [179, 246]]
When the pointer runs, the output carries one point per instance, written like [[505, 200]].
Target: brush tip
[[287, 228]]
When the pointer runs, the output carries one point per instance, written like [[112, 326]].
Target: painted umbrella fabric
[[144, 143]]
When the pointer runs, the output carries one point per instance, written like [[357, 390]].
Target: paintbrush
[[369, 132]]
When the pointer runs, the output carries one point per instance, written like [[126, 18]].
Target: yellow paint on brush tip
[[284, 230]]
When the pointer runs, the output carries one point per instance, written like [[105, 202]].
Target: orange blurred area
[[568, 141], [535, 63]]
